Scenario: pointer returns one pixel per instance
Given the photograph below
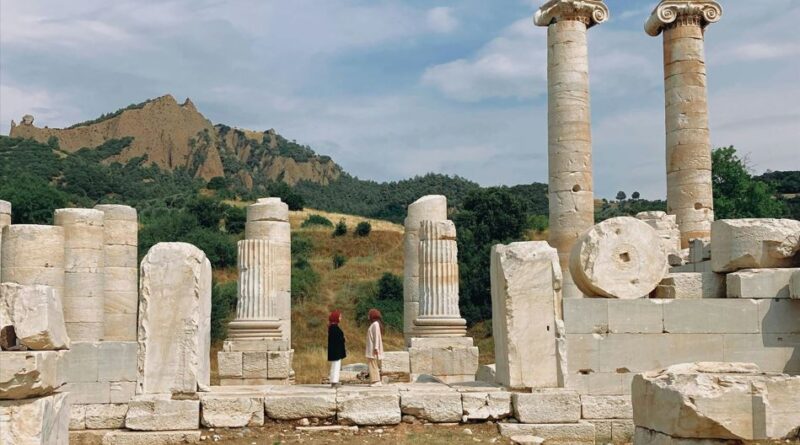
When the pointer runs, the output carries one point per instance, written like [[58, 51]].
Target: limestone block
[[454, 361], [716, 401], [121, 279], [547, 406], [733, 316], [606, 407], [82, 362], [121, 232], [666, 227], [105, 416], [687, 285], [77, 417], [254, 365], [646, 436], [35, 246], [318, 403], [277, 231], [160, 413], [779, 316], [794, 286], [619, 258], [121, 392], [150, 437], [28, 374], [586, 315], [42, 421], [230, 364], [279, 364], [581, 433], [117, 212], [754, 244], [120, 327], [526, 292], [600, 383], [268, 209], [85, 393], [368, 407], [487, 373], [117, 361], [36, 314], [644, 316], [395, 362], [120, 255], [602, 431], [231, 411], [486, 405], [432, 407], [760, 283], [771, 352], [622, 431], [174, 319]]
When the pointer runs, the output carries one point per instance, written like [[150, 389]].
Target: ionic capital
[[590, 12], [700, 12]]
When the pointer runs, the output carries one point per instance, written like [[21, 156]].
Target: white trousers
[[335, 368]]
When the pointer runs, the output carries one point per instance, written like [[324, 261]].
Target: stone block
[[779, 316], [161, 413], [150, 437], [454, 361], [230, 364], [602, 431], [486, 373], [644, 436], [82, 362], [279, 364], [86, 393], [493, 405], [760, 283], [77, 417], [441, 342], [231, 411], [754, 243], [117, 361], [547, 406], [368, 407], [644, 316], [622, 432], [254, 365], [606, 407], [771, 352], [714, 400], [581, 433], [586, 315], [432, 407], [121, 392], [691, 285], [794, 286], [42, 421], [268, 209], [255, 345], [37, 316], [396, 362], [711, 316], [28, 374], [600, 383], [105, 416], [174, 319], [317, 403]]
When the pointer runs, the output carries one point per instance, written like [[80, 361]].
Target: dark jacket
[[336, 349]]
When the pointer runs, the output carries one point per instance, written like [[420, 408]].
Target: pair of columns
[[688, 145]]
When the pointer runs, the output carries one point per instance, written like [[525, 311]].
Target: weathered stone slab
[[28, 374], [486, 373], [717, 401], [493, 405], [36, 314], [644, 316], [40, 421], [82, 362], [733, 316], [395, 362], [317, 403], [760, 283], [606, 407], [586, 315], [581, 433], [77, 417], [174, 319], [105, 416], [150, 437], [432, 407], [645, 436], [86, 393], [116, 361], [160, 413], [600, 383], [691, 285], [230, 364], [368, 407], [231, 411], [279, 364], [526, 300], [771, 352], [794, 286], [753, 243], [779, 316], [121, 392], [547, 406]]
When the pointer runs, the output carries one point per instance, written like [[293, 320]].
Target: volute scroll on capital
[[590, 12], [668, 11]]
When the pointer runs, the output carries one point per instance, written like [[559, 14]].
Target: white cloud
[[441, 19]]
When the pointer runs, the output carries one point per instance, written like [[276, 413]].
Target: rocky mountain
[[173, 135]]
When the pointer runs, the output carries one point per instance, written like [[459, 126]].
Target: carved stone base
[[440, 327], [255, 329]]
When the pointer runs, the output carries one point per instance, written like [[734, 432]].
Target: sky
[[394, 89]]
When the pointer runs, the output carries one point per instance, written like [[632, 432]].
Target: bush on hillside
[[305, 280], [363, 228], [339, 260], [223, 308], [316, 220], [340, 229], [386, 295], [235, 219], [33, 200]]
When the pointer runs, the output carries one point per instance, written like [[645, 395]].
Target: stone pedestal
[[121, 269], [431, 208], [569, 137], [689, 195]]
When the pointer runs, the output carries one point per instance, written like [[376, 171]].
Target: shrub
[[363, 228], [386, 295], [305, 280], [219, 248], [223, 306], [217, 183], [316, 220], [235, 219], [340, 229], [339, 260]]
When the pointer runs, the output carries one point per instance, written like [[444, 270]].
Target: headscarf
[[374, 315], [334, 317]]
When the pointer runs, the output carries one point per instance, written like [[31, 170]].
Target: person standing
[[336, 346], [374, 350]]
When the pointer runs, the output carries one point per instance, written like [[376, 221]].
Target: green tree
[[621, 196], [363, 228], [635, 195], [339, 260], [386, 295], [32, 199], [340, 229], [737, 194], [223, 305]]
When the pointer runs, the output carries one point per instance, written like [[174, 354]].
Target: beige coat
[[374, 341]]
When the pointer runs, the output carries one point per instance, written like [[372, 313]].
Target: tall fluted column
[[439, 315], [256, 310], [689, 192], [429, 207], [569, 136]]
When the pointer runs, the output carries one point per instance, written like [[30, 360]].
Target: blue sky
[[395, 89]]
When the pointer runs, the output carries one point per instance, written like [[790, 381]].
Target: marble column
[[569, 137], [256, 311], [439, 315], [432, 208], [688, 143]]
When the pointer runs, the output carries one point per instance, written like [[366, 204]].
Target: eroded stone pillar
[[569, 137], [121, 269], [34, 254], [689, 194], [431, 208]]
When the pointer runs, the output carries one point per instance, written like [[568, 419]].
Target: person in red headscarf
[[336, 346], [374, 350]]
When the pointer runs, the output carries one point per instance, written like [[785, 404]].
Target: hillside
[[176, 136]]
